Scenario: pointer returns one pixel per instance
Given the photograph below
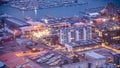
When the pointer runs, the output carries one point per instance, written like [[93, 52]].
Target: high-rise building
[[74, 34]]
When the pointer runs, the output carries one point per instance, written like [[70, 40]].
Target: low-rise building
[[93, 60]]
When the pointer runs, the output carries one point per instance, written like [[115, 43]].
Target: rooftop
[[87, 42], [94, 55], [16, 21]]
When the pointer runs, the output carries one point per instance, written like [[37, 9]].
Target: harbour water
[[56, 12]]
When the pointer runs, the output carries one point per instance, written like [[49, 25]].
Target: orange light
[[36, 27], [40, 34], [19, 55]]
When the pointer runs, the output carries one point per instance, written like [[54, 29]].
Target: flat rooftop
[[83, 43], [16, 21], [94, 55]]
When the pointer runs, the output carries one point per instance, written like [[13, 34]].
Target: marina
[[63, 11]]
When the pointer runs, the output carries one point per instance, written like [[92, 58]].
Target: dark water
[[57, 12]]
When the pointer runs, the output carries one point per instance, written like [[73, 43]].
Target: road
[[110, 48]]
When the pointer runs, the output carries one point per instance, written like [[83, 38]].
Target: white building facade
[[74, 34]]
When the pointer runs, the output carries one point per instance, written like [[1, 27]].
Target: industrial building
[[15, 22], [98, 61], [18, 27], [14, 25]]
